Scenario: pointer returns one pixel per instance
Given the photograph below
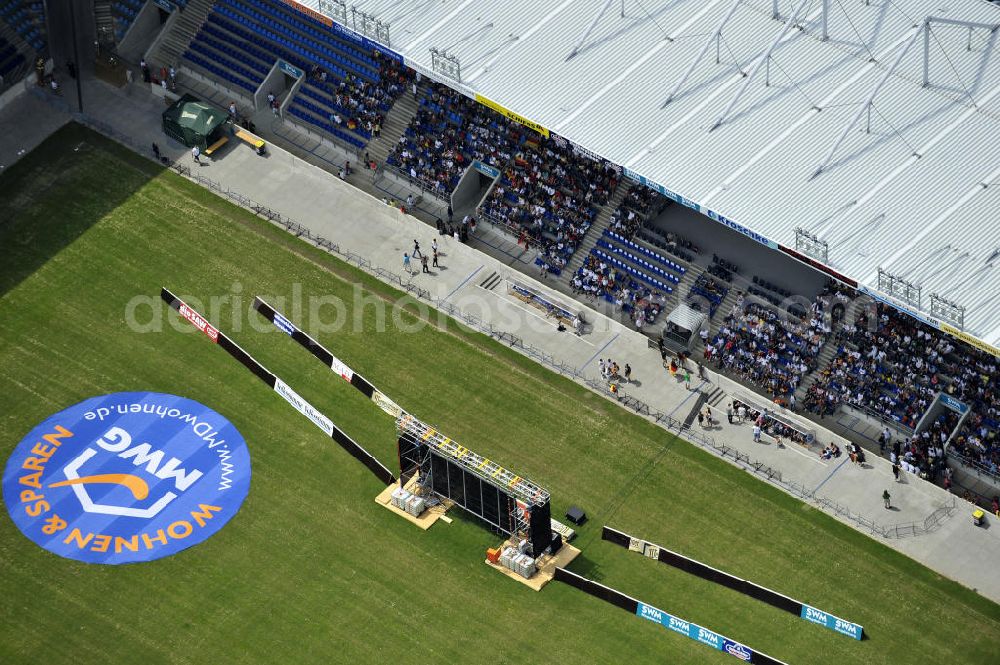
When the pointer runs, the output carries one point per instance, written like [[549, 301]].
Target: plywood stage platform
[[546, 564], [426, 519]]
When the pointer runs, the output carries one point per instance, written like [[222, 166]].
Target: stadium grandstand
[[731, 177]]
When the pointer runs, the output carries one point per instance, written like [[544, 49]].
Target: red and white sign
[[199, 322], [340, 368]]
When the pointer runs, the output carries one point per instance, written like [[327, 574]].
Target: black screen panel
[[491, 510], [439, 475], [456, 484], [473, 494]]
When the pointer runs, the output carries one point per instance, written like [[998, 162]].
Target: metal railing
[[972, 465], [420, 183], [902, 530], [508, 227]]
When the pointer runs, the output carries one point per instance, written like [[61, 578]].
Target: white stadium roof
[[913, 186]]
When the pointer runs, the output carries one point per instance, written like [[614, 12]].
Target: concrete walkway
[[926, 523]]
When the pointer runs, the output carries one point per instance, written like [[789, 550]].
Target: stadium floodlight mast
[[948, 310], [335, 8], [370, 26], [446, 64], [899, 288], [811, 245]]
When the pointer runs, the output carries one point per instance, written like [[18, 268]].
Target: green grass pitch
[[311, 570]]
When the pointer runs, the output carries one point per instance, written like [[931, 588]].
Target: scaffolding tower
[[525, 493]]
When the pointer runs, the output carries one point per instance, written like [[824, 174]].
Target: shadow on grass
[[56, 193]]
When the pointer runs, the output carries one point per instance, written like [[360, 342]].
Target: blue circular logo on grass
[[127, 477]]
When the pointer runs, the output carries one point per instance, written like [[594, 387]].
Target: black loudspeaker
[[576, 515], [556, 543]]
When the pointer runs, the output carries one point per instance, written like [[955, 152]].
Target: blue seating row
[[659, 258], [314, 28], [631, 270], [281, 33], [325, 126], [219, 71], [638, 261]]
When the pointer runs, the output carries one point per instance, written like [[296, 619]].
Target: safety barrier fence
[[902, 530], [722, 578], [692, 630]]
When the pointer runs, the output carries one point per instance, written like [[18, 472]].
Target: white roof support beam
[[590, 28], [871, 97], [767, 56], [971, 25], [823, 20], [964, 24], [704, 49]]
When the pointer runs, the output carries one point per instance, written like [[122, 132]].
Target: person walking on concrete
[[156, 151], [729, 413], [756, 433], [435, 263], [416, 249], [687, 379], [423, 264], [194, 154], [895, 471], [886, 498], [406, 263], [628, 373]]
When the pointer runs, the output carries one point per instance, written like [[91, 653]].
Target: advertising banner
[[198, 321], [507, 113], [722, 578], [810, 613], [486, 169], [953, 404], [290, 69], [969, 339], [694, 631], [343, 370], [283, 324], [386, 404], [310, 12], [303, 407], [725, 221], [127, 477]]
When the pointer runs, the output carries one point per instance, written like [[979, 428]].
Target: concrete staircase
[[173, 45], [826, 354], [396, 121], [104, 22], [589, 241]]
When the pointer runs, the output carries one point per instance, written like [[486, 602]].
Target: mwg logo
[[127, 477]]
